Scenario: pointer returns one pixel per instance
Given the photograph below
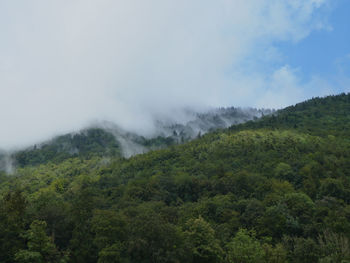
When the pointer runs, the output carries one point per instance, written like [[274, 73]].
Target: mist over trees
[[276, 189], [106, 139]]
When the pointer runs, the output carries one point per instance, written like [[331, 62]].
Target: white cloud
[[64, 63], [282, 88], [285, 88]]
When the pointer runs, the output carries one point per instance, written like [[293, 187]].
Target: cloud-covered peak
[[67, 63]]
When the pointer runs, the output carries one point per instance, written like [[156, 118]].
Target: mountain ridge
[[273, 190], [108, 139]]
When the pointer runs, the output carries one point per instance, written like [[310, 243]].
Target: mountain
[[318, 116], [276, 189], [109, 140]]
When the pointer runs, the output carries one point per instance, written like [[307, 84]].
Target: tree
[[276, 254], [12, 224], [244, 248], [302, 250], [111, 254], [284, 171], [40, 247], [202, 242], [151, 238], [300, 206], [109, 230], [334, 247], [81, 243]]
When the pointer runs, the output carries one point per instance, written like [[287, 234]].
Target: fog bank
[[65, 64]]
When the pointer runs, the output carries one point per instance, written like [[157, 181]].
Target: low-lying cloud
[[66, 63]]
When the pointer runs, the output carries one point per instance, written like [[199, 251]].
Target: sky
[[65, 64]]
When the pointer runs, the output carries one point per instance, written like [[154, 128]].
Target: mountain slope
[[318, 116], [254, 193], [109, 140]]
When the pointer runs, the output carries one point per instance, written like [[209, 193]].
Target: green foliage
[[151, 237], [244, 248], [277, 254], [274, 190], [40, 247], [88, 143], [334, 247], [201, 239], [302, 250], [324, 117], [12, 224], [111, 254], [283, 171]]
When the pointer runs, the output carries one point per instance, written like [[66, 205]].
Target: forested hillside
[[109, 140], [272, 190]]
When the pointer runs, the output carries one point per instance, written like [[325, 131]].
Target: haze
[[67, 63]]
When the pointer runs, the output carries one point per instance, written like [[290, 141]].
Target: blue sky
[[324, 52], [67, 63]]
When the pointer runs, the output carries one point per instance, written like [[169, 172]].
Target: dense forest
[[276, 189]]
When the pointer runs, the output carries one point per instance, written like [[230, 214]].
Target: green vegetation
[[88, 143], [112, 141], [274, 190], [318, 116]]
